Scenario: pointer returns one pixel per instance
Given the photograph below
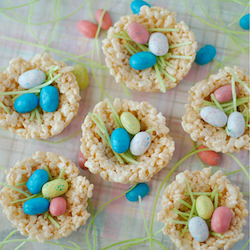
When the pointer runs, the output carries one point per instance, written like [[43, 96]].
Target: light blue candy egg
[[140, 143], [36, 206], [142, 60], [198, 229], [205, 55], [136, 6], [26, 103], [213, 116], [141, 189], [236, 124], [244, 22], [37, 180], [31, 78], [49, 99], [120, 140]]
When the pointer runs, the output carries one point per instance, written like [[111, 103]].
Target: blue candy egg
[[26, 103], [37, 180], [136, 6], [120, 140], [142, 60], [205, 55], [36, 206], [49, 99], [141, 189], [244, 22]]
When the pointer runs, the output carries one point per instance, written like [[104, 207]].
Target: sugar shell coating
[[138, 33], [214, 138], [117, 56], [158, 44], [201, 181], [236, 124], [77, 196], [31, 78], [100, 158], [198, 229]]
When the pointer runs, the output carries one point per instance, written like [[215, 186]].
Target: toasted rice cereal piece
[[210, 136], [201, 181], [36, 227], [100, 158], [52, 123], [117, 56]]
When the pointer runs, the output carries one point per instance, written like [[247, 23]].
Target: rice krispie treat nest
[[35, 226], [214, 138], [100, 158], [201, 181], [53, 123], [117, 56]]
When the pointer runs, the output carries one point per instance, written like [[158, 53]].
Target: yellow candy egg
[[55, 188], [204, 207], [130, 123], [81, 75]]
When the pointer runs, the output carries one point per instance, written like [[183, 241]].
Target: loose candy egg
[[36, 206], [87, 28], [49, 99], [244, 22], [158, 44], [221, 219], [136, 6], [204, 207], [81, 161], [26, 103], [37, 180], [138, 33], [57, 206], [130, 123], [55, 188], [142, 60], [106, 21], [213, 116], [141, 189], [81, 75], [198, 229], [31, 78], [140, 143], [209, 157], [205, 55], [224, 93], [236, 124], [120, 140]]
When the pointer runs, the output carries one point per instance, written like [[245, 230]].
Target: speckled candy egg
[[204, 207], [205, 54], [106, 21], [213, 116], [198, 229], [236, 124], [158, 44], [36, 206], [142, 60], [210, 157], [221, 219], [37, 180], [140, 143], [49, 99], [55, 188], [141, 189], [57, 206], [87, 28], [81, 75], [224, 93], [136, 6], [120, 140], [26, 103], [31, 78], [138, 33], [130, 123]]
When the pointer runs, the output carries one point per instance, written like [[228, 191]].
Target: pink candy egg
[[57, 206], [224, 93], [138, 33], [221, 219], [87, 28], [81, 161], [209, 157], [106, 21]]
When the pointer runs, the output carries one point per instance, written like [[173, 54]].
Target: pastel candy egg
[[49, 99], [224, 93], [106, 21], [81, 161], [142, 60], [236, 124], [31, 78], [57, 206], [87, 28], [136, 6], [120, 140], [55, 188], [130, 123], [158, 44], [205, 55], [244, 22], [26, 103], [221, 219], [140, 143], [138, 33], [209, 157], [213, 116], [198, 229], [36, 206], [81, 75], [141, 189], [37, 180], [204, 207]]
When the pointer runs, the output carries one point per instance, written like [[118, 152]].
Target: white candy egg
[[198, 229], [31, 78], [140, 143], [214, 116], [158, 44], [236, 124]]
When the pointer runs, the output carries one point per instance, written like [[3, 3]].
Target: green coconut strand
[[4, 107], [47, 170], [53, 221], [217, 103], [179, 45], [14, 188], [8, 236], [236, 171], [28, 198], [61, 173], [234, 94], [201, 162], [238, 80], [92, 214], [163, 29]]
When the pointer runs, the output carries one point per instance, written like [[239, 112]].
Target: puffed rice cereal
[[36, 227]]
